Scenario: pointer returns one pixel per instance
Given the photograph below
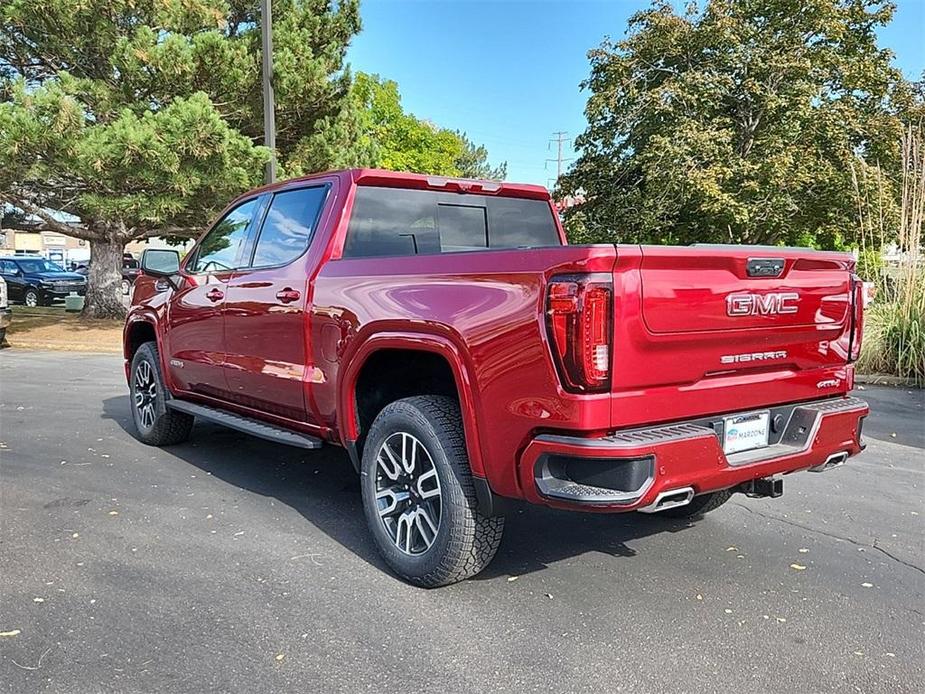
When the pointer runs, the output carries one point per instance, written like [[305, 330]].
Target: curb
[[885, 380]]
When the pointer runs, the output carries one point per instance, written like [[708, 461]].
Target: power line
[[560, 137]]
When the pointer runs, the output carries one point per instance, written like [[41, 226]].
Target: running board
[[246, 424]]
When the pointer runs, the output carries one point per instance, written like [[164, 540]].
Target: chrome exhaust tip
[[669, 499], [833, 461]]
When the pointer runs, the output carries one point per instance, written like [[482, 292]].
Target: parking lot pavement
[[229, 564]]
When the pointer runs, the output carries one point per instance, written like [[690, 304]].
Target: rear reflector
[[578, 310]]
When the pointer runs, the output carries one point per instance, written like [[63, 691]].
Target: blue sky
[[507, 71]]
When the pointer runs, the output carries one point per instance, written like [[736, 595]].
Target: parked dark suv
[[38, 282]]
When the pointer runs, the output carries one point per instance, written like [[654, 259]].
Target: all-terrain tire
[[699, 505], [465, 540], [157, 426]]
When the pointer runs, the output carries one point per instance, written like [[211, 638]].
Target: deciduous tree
[[403, 142], [737, 122]]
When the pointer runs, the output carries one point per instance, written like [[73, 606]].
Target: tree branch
[[52, 224], [188, 232]]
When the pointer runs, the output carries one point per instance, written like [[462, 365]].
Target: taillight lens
[[857, 317], [578, 311]]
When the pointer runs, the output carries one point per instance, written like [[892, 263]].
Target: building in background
[[66, 250]]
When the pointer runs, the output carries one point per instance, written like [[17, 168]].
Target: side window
[[218, 250], [288, 226], [7, 267]]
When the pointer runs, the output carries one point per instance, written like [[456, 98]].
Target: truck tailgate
[[712, 292], [707, 329]]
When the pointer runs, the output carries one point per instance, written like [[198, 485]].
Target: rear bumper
[[628, 470]]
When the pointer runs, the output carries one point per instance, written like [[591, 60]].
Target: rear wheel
[[698, 505], [418, 494], [126, 287], [155, 424]]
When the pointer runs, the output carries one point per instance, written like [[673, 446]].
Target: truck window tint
[[218, 250], [288, 226], [395, 221]]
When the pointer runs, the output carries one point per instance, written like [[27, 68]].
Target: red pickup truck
[[446, 335]]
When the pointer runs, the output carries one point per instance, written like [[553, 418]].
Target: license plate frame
[[748, 431]]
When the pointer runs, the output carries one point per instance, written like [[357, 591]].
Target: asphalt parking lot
[[230, 564]]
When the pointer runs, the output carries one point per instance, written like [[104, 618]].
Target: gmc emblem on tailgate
[[778, 303]]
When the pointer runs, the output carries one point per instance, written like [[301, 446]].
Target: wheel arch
[[139, 329], [407, 344]]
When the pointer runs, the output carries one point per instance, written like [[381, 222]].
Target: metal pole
[[269, 116]]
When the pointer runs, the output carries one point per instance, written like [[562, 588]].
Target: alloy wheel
[[408, 493], [32, 299], [145, 394]]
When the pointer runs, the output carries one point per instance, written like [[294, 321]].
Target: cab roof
[[402, 179]]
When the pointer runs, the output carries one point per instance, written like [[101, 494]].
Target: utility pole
[[269, 115], [560, 138]]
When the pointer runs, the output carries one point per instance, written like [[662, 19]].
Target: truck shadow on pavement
[[323, 487]]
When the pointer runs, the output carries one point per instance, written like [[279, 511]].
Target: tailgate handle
[[764, 267]]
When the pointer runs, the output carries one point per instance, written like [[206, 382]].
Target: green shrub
[[894, 333]]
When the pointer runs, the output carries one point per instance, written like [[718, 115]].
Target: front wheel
[[126, 287], [418, 494], [155, 424], [32, 298]]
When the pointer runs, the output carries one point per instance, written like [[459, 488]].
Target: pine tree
[[127, 119]]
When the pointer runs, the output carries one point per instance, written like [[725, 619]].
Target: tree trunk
[[104, 281]]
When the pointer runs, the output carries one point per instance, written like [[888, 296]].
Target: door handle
[[288, 295], [215, 295]]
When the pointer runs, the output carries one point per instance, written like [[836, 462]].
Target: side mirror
[[160, 262]]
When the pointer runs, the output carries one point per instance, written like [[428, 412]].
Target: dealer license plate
[[745, 432]]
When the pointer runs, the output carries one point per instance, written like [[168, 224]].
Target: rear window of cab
[[397, 221]]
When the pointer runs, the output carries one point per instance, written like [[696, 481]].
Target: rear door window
[[288, 226], [396, 221]]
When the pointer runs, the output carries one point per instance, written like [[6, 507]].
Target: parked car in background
[[38, 282], [130, 271], [445, 333], [5, 313]]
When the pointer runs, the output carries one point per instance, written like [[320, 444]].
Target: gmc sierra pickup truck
[[445, 334]]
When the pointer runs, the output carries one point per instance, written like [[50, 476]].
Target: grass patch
[[894, 327], [53, 328]]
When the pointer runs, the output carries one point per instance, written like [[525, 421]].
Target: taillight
[[858, 301], [578, 310]]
